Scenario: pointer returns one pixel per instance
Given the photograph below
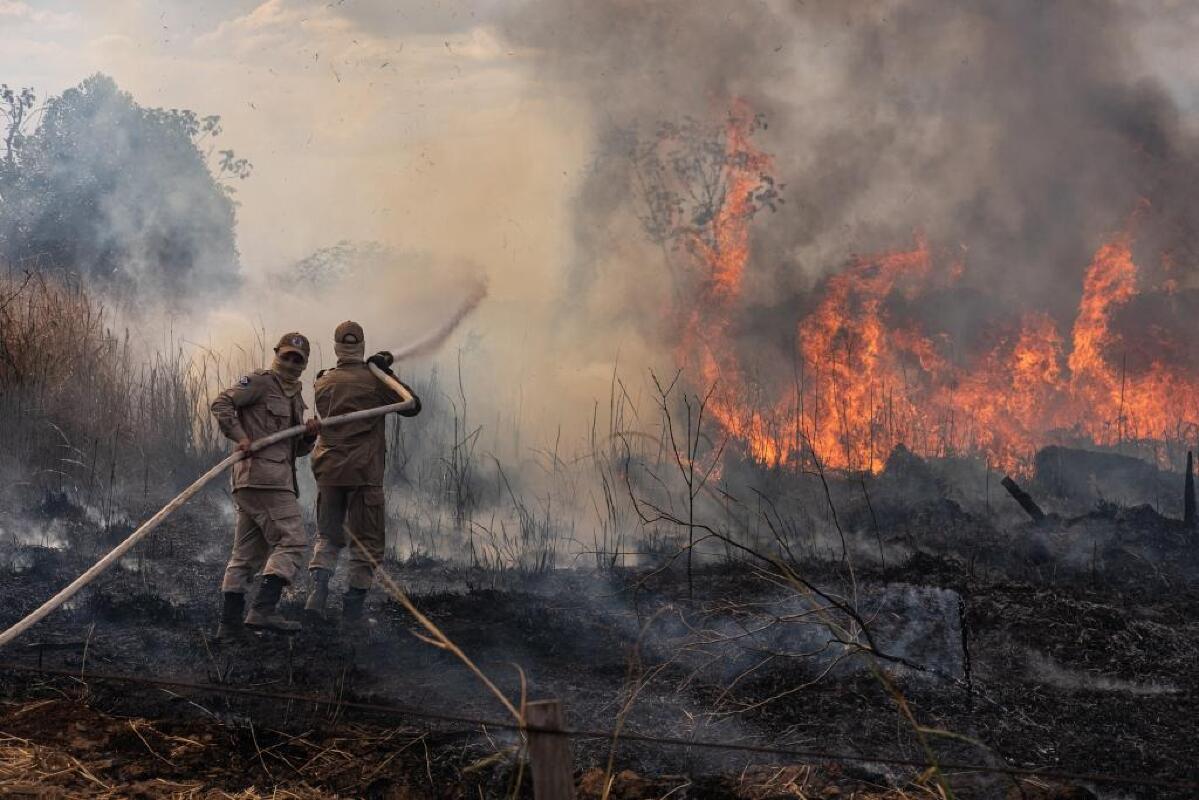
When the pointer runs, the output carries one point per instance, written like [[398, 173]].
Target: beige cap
[[293, 342], [349, 332]]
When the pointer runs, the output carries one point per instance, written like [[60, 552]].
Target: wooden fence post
[[1188, 493], [549, 753]]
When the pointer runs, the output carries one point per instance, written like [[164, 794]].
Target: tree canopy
[[122, 194]]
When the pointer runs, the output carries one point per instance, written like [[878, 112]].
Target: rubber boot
[[351, 609], [231, 627], [318, 597], [264, 614]]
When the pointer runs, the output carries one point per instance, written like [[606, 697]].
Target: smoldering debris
[[1043, 668], [741, 660], [915, 629], [51, 534]]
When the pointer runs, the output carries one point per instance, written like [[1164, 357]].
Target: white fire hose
[[419, 347]]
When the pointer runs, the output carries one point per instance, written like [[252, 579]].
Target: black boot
[[351, 608], [232, 628], [264, 614], [314, 608]]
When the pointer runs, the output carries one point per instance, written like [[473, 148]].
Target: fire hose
[[419, 347]]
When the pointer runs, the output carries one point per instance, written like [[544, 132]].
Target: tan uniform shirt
[[255, 407], [353, 454]]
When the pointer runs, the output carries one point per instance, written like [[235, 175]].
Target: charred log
[[1024, 499]]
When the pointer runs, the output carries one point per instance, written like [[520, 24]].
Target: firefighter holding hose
[[270, 533], [268, 523], [348, 465]]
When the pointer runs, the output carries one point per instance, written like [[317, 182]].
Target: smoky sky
[[1016, 135]]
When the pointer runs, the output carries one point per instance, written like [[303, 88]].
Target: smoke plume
[[1016, 136]]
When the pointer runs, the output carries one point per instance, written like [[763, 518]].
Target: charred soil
[[1003, 662]]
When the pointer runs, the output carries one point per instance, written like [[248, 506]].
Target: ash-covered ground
[[1068, 645]]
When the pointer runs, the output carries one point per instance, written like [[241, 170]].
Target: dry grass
[[83, 753], [801, 782], [38, 771], [84, 409]]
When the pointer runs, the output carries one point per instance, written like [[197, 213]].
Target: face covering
[[349, 352], [288, 374]]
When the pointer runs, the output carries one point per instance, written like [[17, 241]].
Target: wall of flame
[[865, 383]]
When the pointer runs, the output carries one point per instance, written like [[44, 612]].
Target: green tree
[[16, 109]]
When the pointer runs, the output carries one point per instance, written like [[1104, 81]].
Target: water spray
[[422, 346], [434, 338]]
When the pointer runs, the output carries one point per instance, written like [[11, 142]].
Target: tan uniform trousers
[[269, 537], [356, 510]]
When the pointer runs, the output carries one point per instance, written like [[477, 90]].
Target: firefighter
[[348, 465], [269, 535]]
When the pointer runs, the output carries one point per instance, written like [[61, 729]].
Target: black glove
[[382, 359], [412, 412]]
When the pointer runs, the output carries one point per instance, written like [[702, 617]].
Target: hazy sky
[[407, 123], [387, 121]]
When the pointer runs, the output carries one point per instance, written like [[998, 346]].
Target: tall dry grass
[[87, 410], [81, 410]]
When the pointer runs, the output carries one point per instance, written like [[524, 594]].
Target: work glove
[[382, 359], [412, 412]]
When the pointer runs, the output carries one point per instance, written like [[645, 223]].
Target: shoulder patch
[[244, 380]]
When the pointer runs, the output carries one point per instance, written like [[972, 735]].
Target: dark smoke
[[1017, 135]]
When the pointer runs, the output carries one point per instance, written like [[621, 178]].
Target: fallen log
[[1024, 499]]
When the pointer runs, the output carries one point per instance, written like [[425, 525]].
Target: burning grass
[[865, 367]]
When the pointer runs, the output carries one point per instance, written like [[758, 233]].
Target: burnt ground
[[1089, 668]]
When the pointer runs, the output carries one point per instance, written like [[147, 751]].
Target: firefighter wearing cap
[[269, 536], [348, 465]]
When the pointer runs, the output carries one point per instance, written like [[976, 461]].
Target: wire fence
[[395, 710]]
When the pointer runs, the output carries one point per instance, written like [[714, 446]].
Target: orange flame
[[866, 383]]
